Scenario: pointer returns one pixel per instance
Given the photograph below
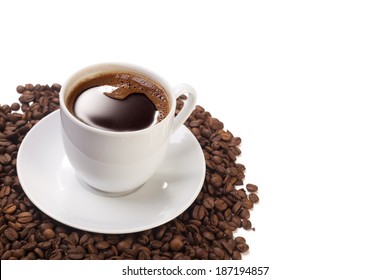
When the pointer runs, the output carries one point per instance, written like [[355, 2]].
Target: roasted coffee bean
[[208, 202], [206, 230], [176, 244], [208, 235], [5, 159], [247, 203], [242, 247], [18, 253], [102, 245], [244, 214], [227, 233], [17, 244], [44, 245], [24, 217], [8, 181], [30, 246], [49, 233], [11, 234], [220, 205], [216, 180], [39, 253], [91, 249], [254, 197], [251, 188], [20, 89], [180, 227], [6, 255], [237, 207], [198, 212], [159, 232], [227, 247], [201, 253], [246, 224], [15, 106], [113, 239], [240, 239], [75, 253], [236, 255], [226, 136], [9, 209], [55, 255], [123, 245], [228, 214], [84, 239], [156, 244], [219, 253]]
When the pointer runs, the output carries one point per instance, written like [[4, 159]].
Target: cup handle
[[189, 104]]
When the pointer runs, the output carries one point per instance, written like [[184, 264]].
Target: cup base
[[104, 193]]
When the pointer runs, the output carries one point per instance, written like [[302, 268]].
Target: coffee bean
[[205, 132], [251, 188], [11, 234], [228, 214], [216, 180], [18, 253], [244, 214], [39, 253], [20, 89], [246, 224], [247, 203], [226, 136], [242, 247], [44, 245], [254, 197], [237, 207], [220, 205], [236, 255], [91, 249], [6, 255], [123, 245], [102, 245], [201, 253], [75, 253], [55, 255], [8, 181], [15, 106], [30, 246], [56, 87], [84, 239], [198, 212], [49, 233], [176, 244], [231, 155], [9, 209], [227, 247], [5, 159], [208, 202], [26, 98], [143, 240], [208, 235]]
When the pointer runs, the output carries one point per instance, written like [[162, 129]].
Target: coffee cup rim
[[110, 67]]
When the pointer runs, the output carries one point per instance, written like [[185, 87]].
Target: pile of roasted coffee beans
[[206, 230]]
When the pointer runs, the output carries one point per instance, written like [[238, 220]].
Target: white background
[[305, 84]]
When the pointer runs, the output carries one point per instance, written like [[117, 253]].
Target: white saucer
[[49, 181]]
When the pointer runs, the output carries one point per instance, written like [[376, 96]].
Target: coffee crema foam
[[119, 101]]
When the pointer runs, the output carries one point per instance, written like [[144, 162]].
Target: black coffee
[[119, 102]]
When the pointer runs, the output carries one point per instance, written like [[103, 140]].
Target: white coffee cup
[[119, 162]]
